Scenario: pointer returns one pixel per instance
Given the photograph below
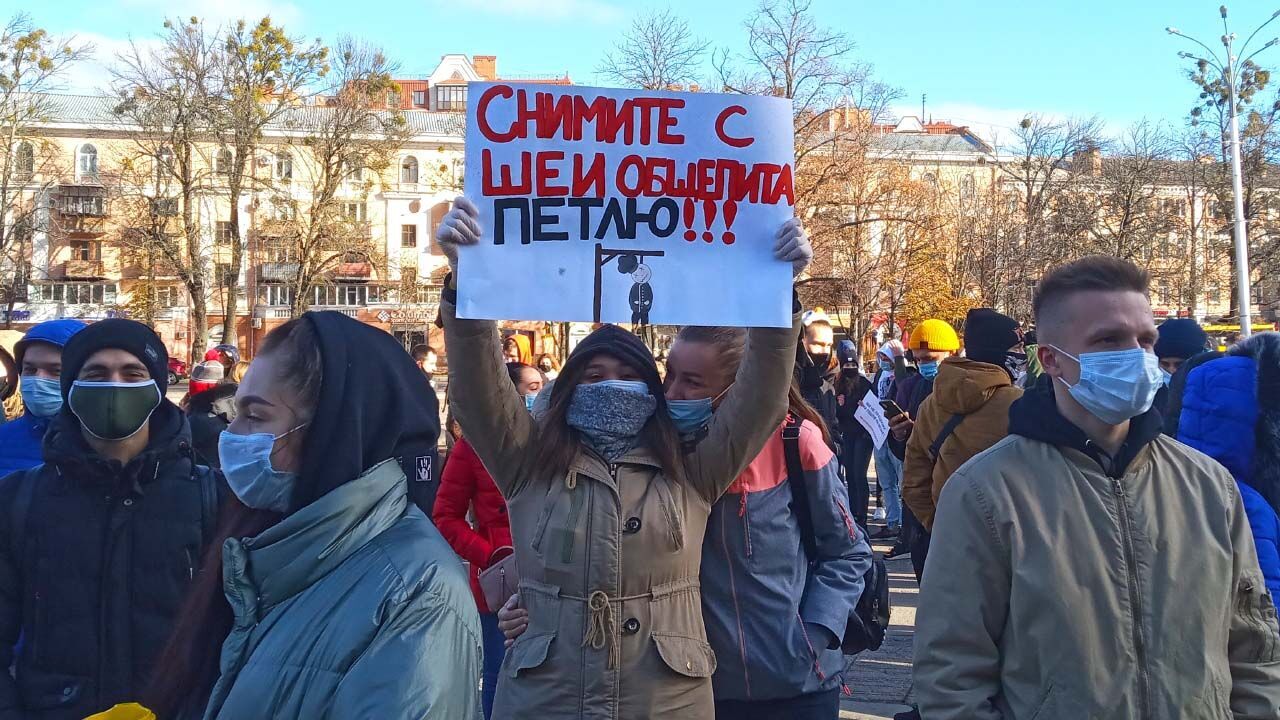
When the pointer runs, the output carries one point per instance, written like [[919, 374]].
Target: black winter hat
[[119, 334], [988, 335], [1181, 338], [613, 340]]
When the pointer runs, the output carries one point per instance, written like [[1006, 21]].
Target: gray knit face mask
[[611, 414]]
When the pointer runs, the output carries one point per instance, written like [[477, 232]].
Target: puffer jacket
[[982, 394], [610, 553], [95, 558], [1064, 583], [1220, 416], [352, 607], [758, 587], [466, 485]]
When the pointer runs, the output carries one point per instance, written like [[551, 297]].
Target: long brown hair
[[188, 665], [559, 443]]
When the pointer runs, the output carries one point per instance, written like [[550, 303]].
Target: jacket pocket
[[544, 518], [48, 691], [528, 653], [1256, 609], [687, 656]]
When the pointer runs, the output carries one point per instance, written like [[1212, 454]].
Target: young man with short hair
[[1088, 566], [99, 544], [39, 359]]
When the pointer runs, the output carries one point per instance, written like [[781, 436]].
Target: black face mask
[[820, 360]]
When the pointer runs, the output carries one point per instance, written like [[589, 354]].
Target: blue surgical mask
[[246, 463], [1115, 386], [41, 396], [529, 400], [886, 365], [690, 416], [1165, 377], [635, 386], [928, 369]]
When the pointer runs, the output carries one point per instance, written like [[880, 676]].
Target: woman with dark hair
[[607, 512], [330, 594], [465, 486]]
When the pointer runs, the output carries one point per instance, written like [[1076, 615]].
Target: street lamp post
[[1230, 71]]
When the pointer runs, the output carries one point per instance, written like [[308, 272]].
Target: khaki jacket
[[1054, 591], [979, 391], [610, 554]]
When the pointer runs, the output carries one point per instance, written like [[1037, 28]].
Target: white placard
[[871, 416], [627, 206]]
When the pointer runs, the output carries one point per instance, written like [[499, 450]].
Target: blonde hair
[[238, 371]]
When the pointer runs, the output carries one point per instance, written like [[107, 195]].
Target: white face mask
[[1115, 386]]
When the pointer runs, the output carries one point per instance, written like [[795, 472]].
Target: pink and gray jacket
[[759, 589]]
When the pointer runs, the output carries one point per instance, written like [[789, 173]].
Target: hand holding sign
[[627, 206], [460, 226]]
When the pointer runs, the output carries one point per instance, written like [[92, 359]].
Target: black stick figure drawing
[[629, 263]]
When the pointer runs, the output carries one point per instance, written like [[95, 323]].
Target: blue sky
[[984, 63]]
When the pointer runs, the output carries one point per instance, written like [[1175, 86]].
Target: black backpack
[[870, 618]]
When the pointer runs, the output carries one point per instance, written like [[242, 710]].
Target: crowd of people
[[1090, 512]]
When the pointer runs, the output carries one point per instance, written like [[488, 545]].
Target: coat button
[[128, 502], [633, 525], [66, 691], [688, 665], [631, 626]]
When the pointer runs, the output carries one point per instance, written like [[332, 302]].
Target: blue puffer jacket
[[1220, 414], [767, 610], [20, 439]]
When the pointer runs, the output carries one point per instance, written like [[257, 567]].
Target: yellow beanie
[[934, 335]]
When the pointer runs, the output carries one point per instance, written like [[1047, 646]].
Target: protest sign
[[871, 417], [627, 206]]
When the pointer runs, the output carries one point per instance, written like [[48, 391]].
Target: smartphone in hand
[[891, 409]]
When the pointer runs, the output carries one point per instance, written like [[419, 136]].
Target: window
[[966, 187], [276, 295], [165, 207], [223, 234], [75, 293], [1213, 294], [224, 275], [284, 166], [164, 166], [419, 98], [409, 170], [87, 162], [24, 162], [279, 251], [393, 99], [352, 174], [355, 211], [166, 296], [282, 209], [222, 162], [347, 294], [451, 97], [94, 205], [1162, 292], [408, 236], [86, 250]]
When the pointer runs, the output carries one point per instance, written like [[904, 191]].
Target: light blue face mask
[[246, 463], [1165, 377], [41, 396], [886, 365], [529, 400], [929, 369], [1117, 385], [635, 386], [690, 416]]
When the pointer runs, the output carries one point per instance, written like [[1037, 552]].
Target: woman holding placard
[[607, 514]]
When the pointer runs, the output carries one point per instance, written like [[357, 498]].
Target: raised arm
[[484, 402], [755, 405]]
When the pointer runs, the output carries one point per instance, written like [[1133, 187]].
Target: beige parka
[[610, 554]]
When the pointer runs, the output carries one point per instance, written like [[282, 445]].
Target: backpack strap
[[207, 478], [945, 433], [795, 478]]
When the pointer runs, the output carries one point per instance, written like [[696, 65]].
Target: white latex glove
[[460, 226], [793, 246]]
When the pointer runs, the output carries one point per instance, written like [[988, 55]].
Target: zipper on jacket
[[733, 592], [1130, 561], [586, 591]]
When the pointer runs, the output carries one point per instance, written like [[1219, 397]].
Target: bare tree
[[32, 64], [168, 93], [351, 143], [657, 52], [1124, 198], [264, 73]]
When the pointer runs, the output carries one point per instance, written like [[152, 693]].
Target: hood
[[963, 386], [374, 404], [1220, 411], [65, 446], [616, 342], [891, 349], [54, 332], [523, 345], [1035, 416]]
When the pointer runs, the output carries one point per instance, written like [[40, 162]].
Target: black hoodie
[[1035, 415]]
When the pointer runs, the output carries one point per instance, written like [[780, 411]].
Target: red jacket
[[466, 484]]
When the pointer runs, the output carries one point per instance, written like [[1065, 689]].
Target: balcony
[[82, 205], [277, 271], [353, 271], [82, 225], [82, 269]]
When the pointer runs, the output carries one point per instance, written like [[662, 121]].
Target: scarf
[[609, 416]]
